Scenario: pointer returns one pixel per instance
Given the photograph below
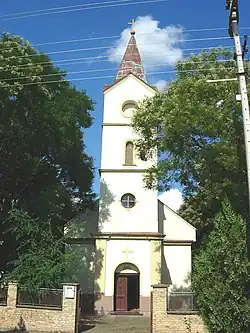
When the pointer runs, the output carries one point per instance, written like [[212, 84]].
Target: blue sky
[[190, 14]]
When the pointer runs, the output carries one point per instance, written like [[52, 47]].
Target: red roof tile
[[131, 61]]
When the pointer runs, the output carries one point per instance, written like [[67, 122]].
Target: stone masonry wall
[[40, 319], [164, 322]]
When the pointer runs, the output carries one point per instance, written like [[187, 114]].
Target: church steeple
[[131, 61]]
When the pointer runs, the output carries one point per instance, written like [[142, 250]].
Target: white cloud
[[161, 85], [172, 198], [157, 46]]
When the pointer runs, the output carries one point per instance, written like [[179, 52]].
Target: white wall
[[114, 140], [140, 257], [115, 137], [179, 263], [114, 183], [176, 228], [129, 88], [114, 217]]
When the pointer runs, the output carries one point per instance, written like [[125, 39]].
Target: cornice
[[130, 235], [121, 170], [170, 242], [116, 124]]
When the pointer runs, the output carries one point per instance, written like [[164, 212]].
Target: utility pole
[[233, 30]]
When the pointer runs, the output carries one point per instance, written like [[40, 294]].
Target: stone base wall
[[29, 318], [177, 323], [163, 321]]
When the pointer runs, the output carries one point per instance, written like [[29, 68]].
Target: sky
[[166, 32]]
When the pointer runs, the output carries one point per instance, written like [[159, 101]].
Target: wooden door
[[121, 293]]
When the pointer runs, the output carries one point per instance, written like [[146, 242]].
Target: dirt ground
[[115, 324]]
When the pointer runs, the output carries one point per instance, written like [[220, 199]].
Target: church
[[133, 240]]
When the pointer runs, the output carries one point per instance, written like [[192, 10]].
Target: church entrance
[[126, 288]]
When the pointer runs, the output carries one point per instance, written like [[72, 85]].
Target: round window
[[128, 200], [129, 108]]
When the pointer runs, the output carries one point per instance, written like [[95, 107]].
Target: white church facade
[[135, 241]]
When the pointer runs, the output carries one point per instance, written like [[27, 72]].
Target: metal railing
[[51, 298], [3, 295], [182, 301]]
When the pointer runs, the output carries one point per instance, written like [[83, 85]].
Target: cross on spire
[[132, 23], [131, 61]]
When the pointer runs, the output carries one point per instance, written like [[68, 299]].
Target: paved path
[[116, 324]]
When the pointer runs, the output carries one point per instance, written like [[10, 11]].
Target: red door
[[121, 293]]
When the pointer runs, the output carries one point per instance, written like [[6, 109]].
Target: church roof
[[131, 61]]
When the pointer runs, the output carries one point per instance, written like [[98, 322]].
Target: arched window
[[129, 153]]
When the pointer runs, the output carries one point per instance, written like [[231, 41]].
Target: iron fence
[[3, 295], [182, 301], [51, 298]]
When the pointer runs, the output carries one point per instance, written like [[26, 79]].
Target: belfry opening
[[126, 288]]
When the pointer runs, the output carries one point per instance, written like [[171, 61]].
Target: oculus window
[[129, 108], [128, 200]]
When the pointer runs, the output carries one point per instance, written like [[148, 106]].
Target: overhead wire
[[56, 42], [65, 61], [105, 69], [118, 36], [104, 58], [109, 76], [112, 46], [82, 9], [61, 7]]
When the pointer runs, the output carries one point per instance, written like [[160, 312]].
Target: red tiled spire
[[131, 61]]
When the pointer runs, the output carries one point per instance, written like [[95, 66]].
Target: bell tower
[[125, 205]]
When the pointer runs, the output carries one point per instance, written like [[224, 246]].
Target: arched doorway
[[126, 288]]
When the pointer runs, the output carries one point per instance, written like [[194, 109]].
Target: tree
[[44, 169], [221, 269], [196, 128], [41, 261]]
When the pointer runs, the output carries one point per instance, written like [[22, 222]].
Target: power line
[[115, 36], [92, 59], [112, 46], [106, 69], [102, 58], [112, 37], [118, 36], [111, 76], [59, 8], [82, 9]]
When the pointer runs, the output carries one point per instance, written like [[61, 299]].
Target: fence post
[[70, 306], [159, 306], [12, 295]]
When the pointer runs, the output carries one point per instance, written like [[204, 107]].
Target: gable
[[130, 88], [174, 227], [129, 77]]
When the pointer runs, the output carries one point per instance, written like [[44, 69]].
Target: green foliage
[[196, 127], [42, 261], [44, 169], [221, 270]]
